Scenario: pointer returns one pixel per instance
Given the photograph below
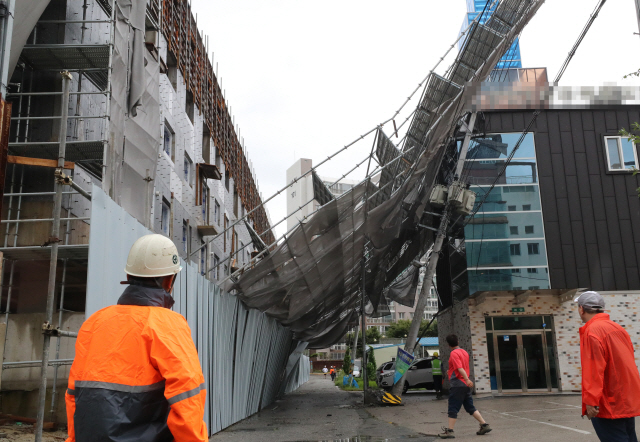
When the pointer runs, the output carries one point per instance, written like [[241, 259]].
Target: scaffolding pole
[[53, 267]]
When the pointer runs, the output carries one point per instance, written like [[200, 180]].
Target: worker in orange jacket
[[136, 374], [610, 378]]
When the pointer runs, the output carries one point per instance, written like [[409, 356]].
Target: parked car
[[384, 375], [419, 375]]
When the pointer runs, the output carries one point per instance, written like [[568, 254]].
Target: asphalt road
[[318, 411], [524, 418], [321, 412]]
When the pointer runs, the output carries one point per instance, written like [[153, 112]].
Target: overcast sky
[[305, 78]]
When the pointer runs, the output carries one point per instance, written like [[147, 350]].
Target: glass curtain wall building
[[505, 241], [512, 58]]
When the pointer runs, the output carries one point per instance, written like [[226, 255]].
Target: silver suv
[[419, 375]]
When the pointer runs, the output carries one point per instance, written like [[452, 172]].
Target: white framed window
[[533, 248], [515, 249], [184, 235], [621, 154], [165, 217], [216, 266], [188, 170], [169, 141], [216, 212], [401, 315]]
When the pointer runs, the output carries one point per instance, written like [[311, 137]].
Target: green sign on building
[[517, 310]]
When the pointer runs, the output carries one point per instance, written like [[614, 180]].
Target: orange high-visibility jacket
[[136, 375], [610, 378]]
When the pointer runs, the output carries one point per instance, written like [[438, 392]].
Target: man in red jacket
[[610, 379]]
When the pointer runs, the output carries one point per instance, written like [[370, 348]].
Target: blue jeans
[[458, 397], [615, 430]]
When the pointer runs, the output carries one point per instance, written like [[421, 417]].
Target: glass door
[[508, 363], [533, 356]]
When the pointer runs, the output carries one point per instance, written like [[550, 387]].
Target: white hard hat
[[152, 256]]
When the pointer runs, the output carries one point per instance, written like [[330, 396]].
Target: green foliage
[[635, 127], [400, 329], [373, 337], [633, 74], [346, 363], [371, 364], [315, 355]]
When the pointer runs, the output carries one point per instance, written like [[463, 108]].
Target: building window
[[172, 70], [515, 270], [169, 141], [188, 170], [226, 179], [190, 107], [205, 205], [203, 259], [511, 208], [401, 315], [184, 235], [528, 230], [226, 270], [241, 253], [216, 212], [189, 239], [621, 153], [515, 249], [216, 265], [165, 218], [526, 207], [226, 223], [513, 230], [532, 270], [533, 248]]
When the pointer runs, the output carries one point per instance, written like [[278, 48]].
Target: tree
[[346, 363], [371, 365], [373, 337], [635, 139], [400, 329]]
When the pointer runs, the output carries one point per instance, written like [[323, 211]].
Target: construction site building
[[174, 162]]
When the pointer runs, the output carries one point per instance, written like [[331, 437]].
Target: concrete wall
[[468, 322], [24, 343]]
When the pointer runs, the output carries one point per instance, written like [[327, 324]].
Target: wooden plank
[[41, 162]]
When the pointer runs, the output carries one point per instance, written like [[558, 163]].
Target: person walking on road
[[460, 390], [325, 370], [610, 378], [332, 372], [136, 373], [436, 365]]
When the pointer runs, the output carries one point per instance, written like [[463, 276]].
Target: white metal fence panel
[[243, 353]]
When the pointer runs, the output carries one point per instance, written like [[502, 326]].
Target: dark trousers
[[615, 430], [459, 397], [333, 376], [437, 383]]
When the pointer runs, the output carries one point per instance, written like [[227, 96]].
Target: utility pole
[[454, 190], [363, 368]]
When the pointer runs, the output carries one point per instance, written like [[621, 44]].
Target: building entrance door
[[522, 364]]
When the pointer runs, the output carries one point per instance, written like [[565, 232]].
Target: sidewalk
[[318, 411], [521, 418]]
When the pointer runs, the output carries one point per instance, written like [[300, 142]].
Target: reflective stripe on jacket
[[610, 378], [436, 364], [136, 375]]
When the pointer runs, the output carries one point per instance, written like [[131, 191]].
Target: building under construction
[[145, 124]]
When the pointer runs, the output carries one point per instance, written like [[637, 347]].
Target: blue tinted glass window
[[508, 198], [628, 149], [503, 226], [506, 253], [504, 279], [500, 146]]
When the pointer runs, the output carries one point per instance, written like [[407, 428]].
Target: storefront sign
[[506, 338], [403, 361], [517, 310]]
